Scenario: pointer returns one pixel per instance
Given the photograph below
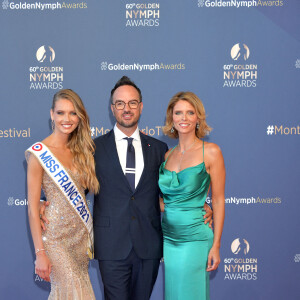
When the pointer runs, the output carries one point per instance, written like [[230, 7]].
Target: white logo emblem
[[10, 201], [104, 65], [240, 52], [201, 3], [5, 4], [45, 53], [240, 245]]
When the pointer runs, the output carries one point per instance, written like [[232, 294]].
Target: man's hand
[[42, 214], [208, 216]]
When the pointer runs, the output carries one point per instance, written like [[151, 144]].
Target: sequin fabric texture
[[65, 241]]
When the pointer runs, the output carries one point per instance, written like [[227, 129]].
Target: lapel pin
[[149, 145]]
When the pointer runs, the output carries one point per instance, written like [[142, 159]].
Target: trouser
[[131, 278]]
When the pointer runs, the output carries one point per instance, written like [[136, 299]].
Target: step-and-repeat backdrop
[[242, 58]]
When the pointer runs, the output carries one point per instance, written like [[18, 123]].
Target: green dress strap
[[170, 153], [203, 150]]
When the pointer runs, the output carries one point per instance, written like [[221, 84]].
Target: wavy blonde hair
[[80, 141], [191, 98]]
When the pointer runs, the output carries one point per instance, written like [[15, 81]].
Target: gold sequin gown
[[65, 241]]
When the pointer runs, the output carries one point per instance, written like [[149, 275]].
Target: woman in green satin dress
[[191, 249]]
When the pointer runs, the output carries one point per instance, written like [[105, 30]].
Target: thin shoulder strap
[[170, 153], [203, 150]]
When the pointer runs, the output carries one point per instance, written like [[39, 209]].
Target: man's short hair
[[125, 81]]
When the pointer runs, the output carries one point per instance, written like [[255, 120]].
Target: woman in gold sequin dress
[[61, 249]]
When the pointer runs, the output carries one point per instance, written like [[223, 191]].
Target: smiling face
[[64, 116], [127, 118], [184, 117]]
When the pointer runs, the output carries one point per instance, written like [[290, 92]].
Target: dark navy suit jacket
[[124, 219]]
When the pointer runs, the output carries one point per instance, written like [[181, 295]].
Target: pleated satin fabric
[[187, 240]]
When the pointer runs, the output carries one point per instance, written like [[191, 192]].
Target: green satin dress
[[187, 240]]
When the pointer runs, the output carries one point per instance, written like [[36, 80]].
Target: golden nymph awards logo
[[239, 73], [41, 6], [142, 14], [11, 201], [240, 267], [239, 3], [44, 75]]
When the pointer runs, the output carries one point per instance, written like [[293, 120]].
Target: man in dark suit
[[127, 229]]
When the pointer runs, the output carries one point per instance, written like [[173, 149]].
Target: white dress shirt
[[122, 151]]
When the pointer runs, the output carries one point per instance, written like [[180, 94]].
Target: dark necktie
[[130, 164]]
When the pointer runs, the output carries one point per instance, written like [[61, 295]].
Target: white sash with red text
[[64, 182]]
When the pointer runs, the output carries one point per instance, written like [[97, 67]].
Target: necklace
[[183, 152]]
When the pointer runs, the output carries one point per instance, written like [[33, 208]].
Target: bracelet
[[38, 250]]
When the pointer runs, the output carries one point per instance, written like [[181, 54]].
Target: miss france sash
[[64, 182]]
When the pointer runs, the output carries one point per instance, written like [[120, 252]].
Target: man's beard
[[128, 125]]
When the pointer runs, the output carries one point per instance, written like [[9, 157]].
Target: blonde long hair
[[80, 141], [191, 98]]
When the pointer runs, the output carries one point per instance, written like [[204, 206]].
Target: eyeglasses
[[133, 104]]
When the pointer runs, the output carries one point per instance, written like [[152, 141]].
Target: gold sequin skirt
[[65, 241]]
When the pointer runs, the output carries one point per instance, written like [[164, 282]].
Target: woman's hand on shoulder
[[43, 265]]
